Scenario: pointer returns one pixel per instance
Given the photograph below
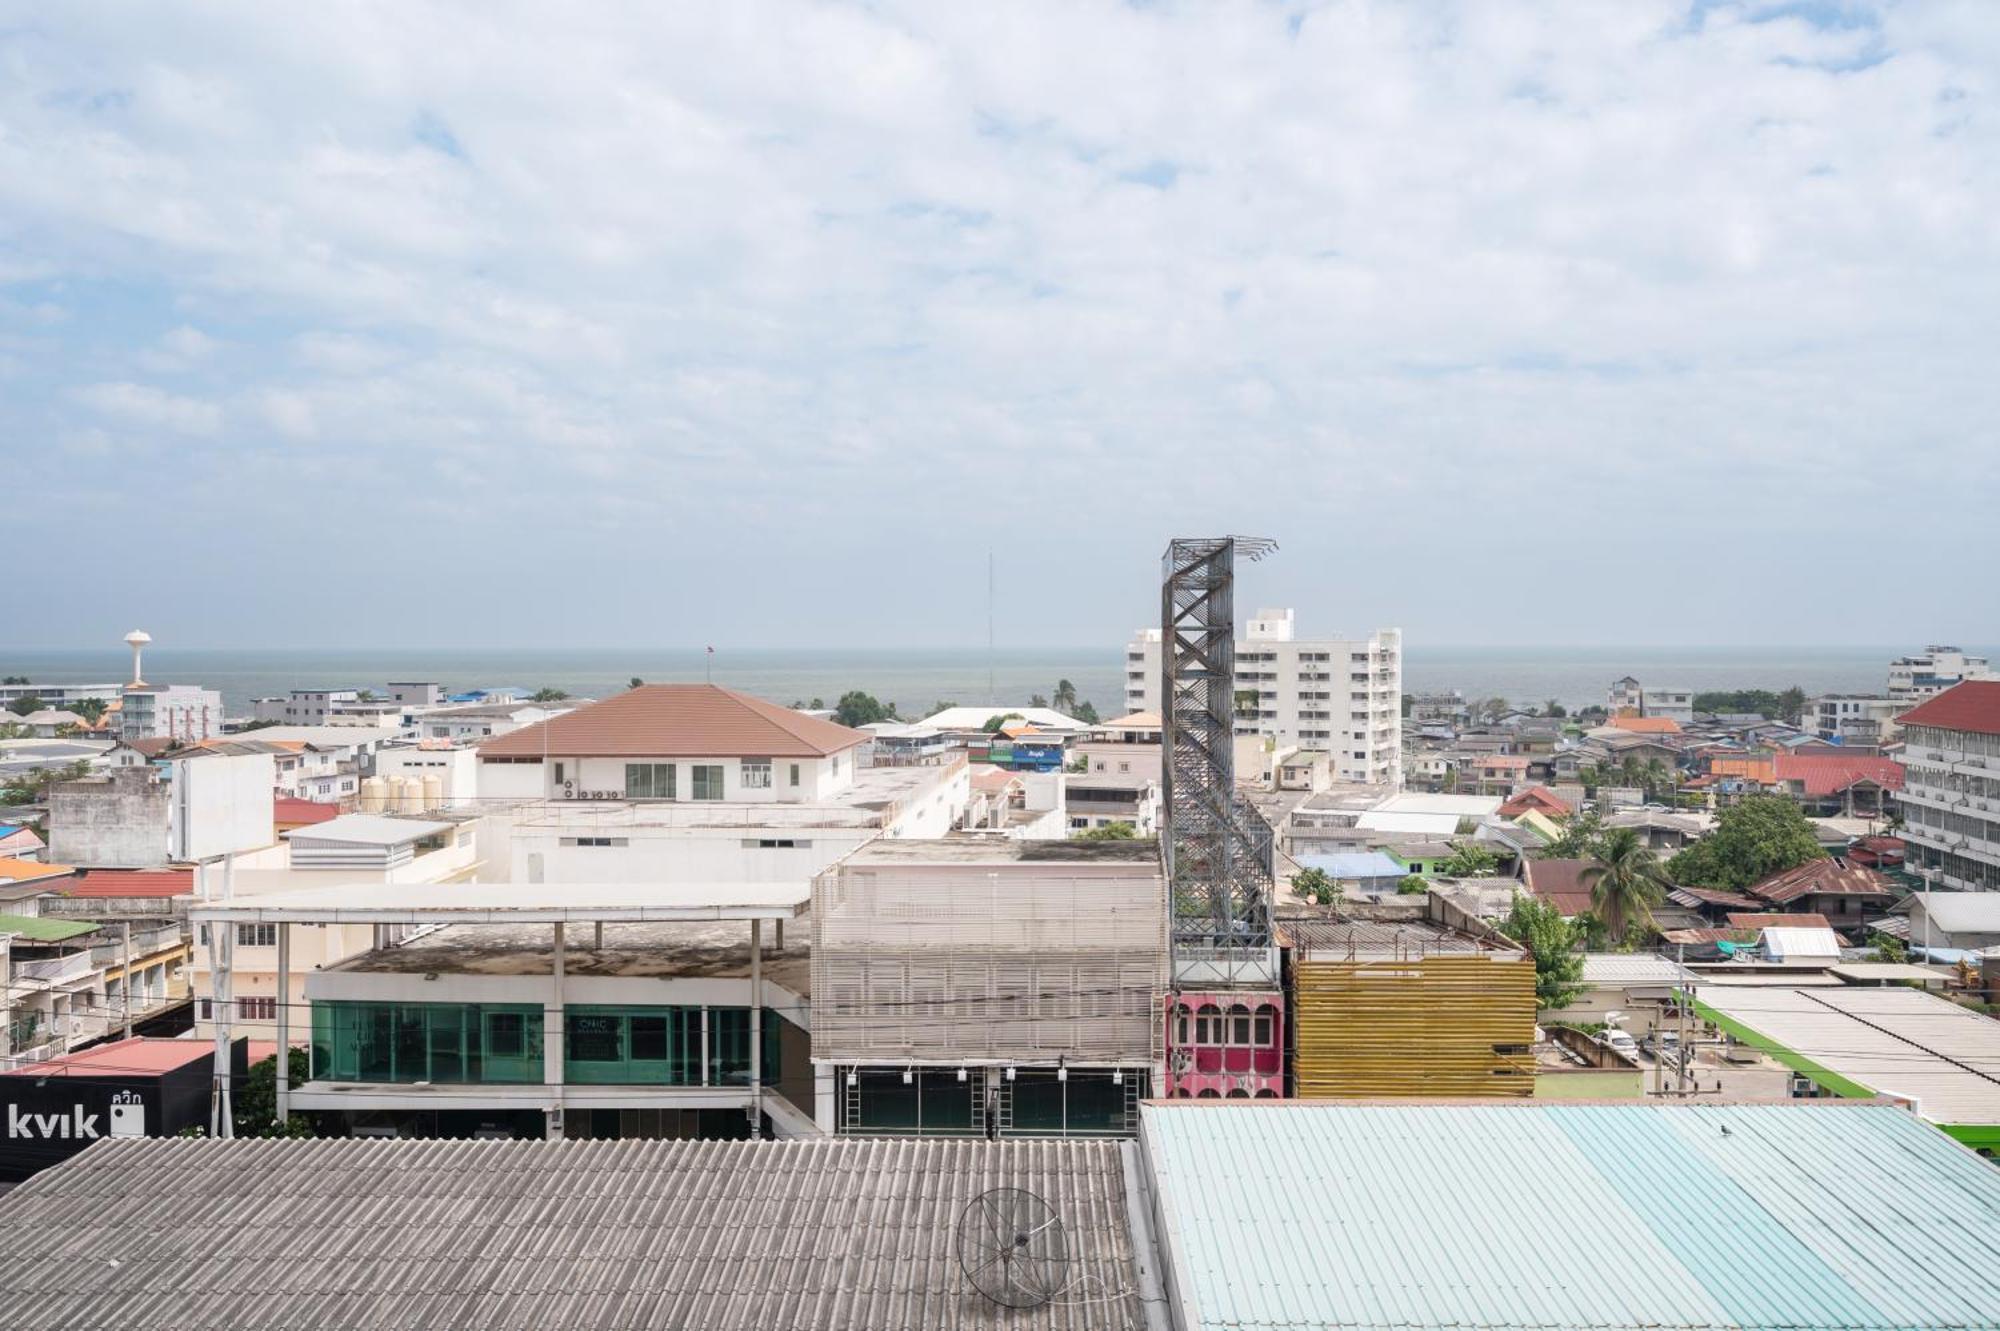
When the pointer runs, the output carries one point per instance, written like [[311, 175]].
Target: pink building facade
[[1227, 1044]]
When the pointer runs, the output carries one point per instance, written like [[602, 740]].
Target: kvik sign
[[128, 1119]]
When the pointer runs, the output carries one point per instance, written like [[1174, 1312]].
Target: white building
[[1340, 695], [1852, 718], [1120, 777], [1671, 701], [1930, 672], [181, 712], [456, 767], [1951, 787], [471, 722]]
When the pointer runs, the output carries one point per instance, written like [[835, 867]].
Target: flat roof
[[1300, 1216], [45, 929], [122, 1058], [847, 1235], [700, 950], [1891, 1040], [875, 795], [512, 903], [1005, 850], [369, 829]]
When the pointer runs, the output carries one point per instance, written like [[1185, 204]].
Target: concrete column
[[826, 1085], [756, 1026], [781, 935], [127, 928], [552, 1042], [284, 1021]]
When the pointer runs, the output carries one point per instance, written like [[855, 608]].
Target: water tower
[[137, 640]]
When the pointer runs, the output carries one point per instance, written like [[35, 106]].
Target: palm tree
[[1657, 778], [1065, 697], [1625, 881]]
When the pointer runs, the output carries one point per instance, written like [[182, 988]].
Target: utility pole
[[128, 978], [1682, 998]]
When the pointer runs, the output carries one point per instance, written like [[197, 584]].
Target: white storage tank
[[409, 795], [374, 794], [433, 791]]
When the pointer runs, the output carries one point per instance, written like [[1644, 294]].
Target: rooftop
[[1973, 706], [698, 950], [677, 721], [1960, 912], [1889, 1041], [1821, 877], [872, 799], [846, 1235], [994, 850], [1823, 774], [131, 883], [1626, 969], [514, 903], [36, 929], [369, 829], [121, 1059], [320, 737], [975, 718], [15, 872], [1301, 1216], [1314, 938]]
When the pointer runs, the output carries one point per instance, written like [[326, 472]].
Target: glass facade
[[434, 1042], [503, 1044]]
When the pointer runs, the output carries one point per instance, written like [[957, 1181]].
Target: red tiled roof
[[677, 721], [292, 810], [131, 883], [1973, 705], [1559, 882], [1764, 919], [1536, 797], [1821, 877], [1830, 773]]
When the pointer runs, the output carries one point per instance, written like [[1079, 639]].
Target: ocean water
[[914, 679]]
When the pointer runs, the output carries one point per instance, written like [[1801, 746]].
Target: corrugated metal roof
[[540, 1236], [1894, 1041], [1288, 1217], [1627, 969]]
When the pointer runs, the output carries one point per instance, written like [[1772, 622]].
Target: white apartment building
[[1930, 672], [169, 711], [1116, 775], [1950, 798], [1342, 696], [1852, 718], [1671, 701]]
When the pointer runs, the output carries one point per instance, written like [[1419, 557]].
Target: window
[[1239, 1025], [208, 1009], [506, 1034], [795, 776], [559, 773], [256, 935], [649, 781], [706, 781], [756, 774], [263, 1008]]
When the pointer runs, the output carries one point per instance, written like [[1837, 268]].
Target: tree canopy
[[546, 694], [1763, 835], [992, 724], [1108, 832], [1551, 941], [1469, 859], [25, 704], [856, 708], [1582, 833], [1317, 886], [1625, 881]]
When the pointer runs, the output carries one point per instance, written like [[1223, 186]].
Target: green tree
[[1742, 702], [16, 679], [255, 1106], [941, 705], [90, 709], [1792, 705], [1108, 832], [1581, 835], [1065, 697], [1554, 709], [1246, 702], [1657, 778], [25, 704], [546, 694], [1625, 881], [1086, 712], [856, 708], [1414, 885], [1037, 700], [1552, 942], [1763, 835], [1888, 947], [1468, 859], [636, 681], [1317, 886], [993, 724], [1492, 709]]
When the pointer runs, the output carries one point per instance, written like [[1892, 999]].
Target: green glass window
[[707, 781], [434, 1042], [634, 1046]]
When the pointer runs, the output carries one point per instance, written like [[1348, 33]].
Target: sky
[[765, 323]]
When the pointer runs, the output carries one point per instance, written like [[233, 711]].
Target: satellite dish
[[1013, 1248]]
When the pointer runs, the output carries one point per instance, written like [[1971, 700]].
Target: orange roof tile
[[28, 871], [677, 721], [1647, 725]]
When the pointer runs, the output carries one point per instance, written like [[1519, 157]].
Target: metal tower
[[1218, 849]]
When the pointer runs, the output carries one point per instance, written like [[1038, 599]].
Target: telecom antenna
[[1013, 1248]]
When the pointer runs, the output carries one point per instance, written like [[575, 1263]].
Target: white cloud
[[1325, 267], [151, 408]]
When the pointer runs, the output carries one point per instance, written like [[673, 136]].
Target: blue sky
[[763, 323]]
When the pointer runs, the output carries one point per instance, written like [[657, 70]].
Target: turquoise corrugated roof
[[1548, 1216]]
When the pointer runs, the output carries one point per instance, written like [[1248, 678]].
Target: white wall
[[457, 770], [221, 804]]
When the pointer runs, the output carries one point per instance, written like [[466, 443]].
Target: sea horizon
[[915, 678]]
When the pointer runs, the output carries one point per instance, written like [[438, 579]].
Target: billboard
[[49, 1112], [223, 804]]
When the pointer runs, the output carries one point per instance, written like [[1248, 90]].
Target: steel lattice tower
[[1218, 849]]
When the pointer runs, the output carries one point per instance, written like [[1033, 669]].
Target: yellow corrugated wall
[[1414, 1028]]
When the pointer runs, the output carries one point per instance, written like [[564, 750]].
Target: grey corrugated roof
[[245, 1235]]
